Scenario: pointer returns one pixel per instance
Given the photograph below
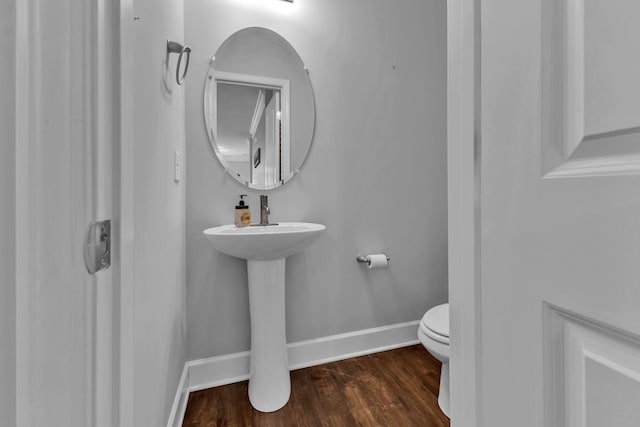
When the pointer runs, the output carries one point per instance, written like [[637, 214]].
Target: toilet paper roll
[[377, 260]]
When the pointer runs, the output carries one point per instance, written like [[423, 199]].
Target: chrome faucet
[[264, 210]]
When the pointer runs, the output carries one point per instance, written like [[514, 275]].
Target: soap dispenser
[[242, 217]]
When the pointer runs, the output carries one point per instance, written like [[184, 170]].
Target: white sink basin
[[266, 249], [262, 243]]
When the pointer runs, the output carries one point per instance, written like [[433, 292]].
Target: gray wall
[[7, 217], [159, 218], [376, 175]]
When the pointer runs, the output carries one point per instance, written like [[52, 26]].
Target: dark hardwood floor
[[393, 388]]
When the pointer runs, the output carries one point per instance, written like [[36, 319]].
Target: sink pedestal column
[[269, 382]]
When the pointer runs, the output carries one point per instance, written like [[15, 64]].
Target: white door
[[64, 131], [559, 216]]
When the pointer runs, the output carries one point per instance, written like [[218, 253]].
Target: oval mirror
[[259, 108]]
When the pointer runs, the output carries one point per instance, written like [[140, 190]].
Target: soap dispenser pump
[[242, 217]]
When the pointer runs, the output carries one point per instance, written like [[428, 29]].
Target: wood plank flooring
[[392, 388]]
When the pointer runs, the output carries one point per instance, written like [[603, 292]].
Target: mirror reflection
[[259, 108]]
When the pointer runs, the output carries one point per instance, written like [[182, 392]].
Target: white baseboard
[[231, 368], [314, 352], [219, 370], [180, 402]]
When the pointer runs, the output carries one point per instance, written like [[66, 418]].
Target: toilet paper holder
[[365, 258]]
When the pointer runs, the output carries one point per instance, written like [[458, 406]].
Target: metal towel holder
[[175, 47]]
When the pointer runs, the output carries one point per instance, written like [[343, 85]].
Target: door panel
[[592, 372], [571, 244], [611, 69], [591, 93]]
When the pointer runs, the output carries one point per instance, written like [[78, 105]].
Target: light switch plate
[[177, 166]]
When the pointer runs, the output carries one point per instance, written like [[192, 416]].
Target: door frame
[[101, 70], [211, 110], [124, 210], [34, 233], [464, 209]]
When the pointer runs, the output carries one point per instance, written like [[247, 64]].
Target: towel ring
[[175, 47]]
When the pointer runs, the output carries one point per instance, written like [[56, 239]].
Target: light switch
[[177, 166]]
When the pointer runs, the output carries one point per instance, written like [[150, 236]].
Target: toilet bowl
[[433, 333]]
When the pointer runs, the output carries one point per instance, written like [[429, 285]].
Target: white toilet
[[433, 333]]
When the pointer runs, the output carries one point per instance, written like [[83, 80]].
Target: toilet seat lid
[[437, 319]]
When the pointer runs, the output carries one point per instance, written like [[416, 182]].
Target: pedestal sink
[[265, 248]]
